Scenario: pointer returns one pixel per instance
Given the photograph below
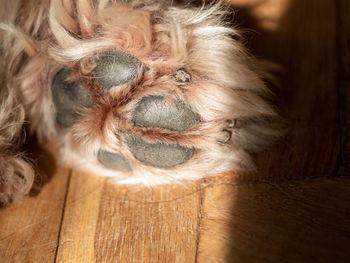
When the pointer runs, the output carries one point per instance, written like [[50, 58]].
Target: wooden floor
[[295, 209]]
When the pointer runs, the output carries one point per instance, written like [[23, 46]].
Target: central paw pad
[[153, 112]]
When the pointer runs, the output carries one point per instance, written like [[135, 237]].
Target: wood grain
[[29, 230], [300, 221], [255, 218], [343, 30], [76, 241], [345, 119], [343, 37], [292, 210], [215, 241], [109, 223], [305, 46], [159, 225]]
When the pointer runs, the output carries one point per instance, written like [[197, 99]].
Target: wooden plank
[[215, 229], [343, 9], [266, 13], [303, 43], [76, 242], [343, 37], [297, 221], [280, 221], [29, 229], [288, 221], [115, 223], [345, 118]]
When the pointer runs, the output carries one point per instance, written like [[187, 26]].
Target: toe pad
[[115, 68], [113, 161], [159, 154], [69, 97]]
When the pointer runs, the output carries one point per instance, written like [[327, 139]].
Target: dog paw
[[113, 69]]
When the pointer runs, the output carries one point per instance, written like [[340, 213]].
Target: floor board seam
[[62, 215], [274, 180], [340, 88], [199, 222]]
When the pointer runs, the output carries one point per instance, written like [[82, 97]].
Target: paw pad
[[115, 68], [153, 112], [159, 154], [69, 97], [113, 161]]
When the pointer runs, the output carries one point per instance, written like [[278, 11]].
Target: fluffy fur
[[38, 37]]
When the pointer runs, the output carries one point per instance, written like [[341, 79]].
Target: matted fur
[[40, 37]]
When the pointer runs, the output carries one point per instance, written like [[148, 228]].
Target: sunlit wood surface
[[295, 209]]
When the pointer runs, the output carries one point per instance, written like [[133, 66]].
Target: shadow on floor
[[295, 210], [44, 164]]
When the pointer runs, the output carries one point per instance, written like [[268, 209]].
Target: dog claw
[[228, 137], [182, 76], [231, 123]]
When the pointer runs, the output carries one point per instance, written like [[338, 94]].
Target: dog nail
[[181, 76], [154, 112], [229, 136], [231, 123]]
